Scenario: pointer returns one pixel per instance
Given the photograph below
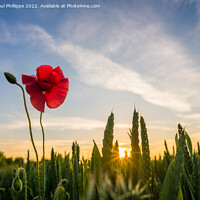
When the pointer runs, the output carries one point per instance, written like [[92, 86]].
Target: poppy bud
[[10, 78], [17, 184]]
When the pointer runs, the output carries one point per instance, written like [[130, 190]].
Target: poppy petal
[[36, 97], [54, 78], [59, 71], [56, 96], [29, 80], [43, 72]]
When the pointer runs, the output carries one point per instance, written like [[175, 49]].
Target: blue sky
[[126, 53]]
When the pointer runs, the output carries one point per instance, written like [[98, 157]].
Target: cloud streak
[[60, 123], [96, 69], [194, 116]]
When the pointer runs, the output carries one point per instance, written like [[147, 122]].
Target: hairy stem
[[44, 188], [31, 135]]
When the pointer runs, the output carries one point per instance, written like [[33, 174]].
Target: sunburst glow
[[122, 151]]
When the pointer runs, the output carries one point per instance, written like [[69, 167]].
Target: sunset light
[[122, 152]]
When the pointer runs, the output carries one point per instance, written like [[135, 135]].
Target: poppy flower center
[[49, 81], [45, 85]]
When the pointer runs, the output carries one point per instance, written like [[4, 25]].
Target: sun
[[122, 152]]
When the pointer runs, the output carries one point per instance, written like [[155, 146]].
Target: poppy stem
[[44, 188], [31, 135]]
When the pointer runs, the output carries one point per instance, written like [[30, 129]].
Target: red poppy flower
[[49, 85]]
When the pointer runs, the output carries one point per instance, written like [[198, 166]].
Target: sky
[[142, 53]]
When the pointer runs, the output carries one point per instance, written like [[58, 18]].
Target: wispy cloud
[[59, 123], [96, 69], [194, 116]]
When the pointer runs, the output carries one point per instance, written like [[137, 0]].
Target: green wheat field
[[107, 175]]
